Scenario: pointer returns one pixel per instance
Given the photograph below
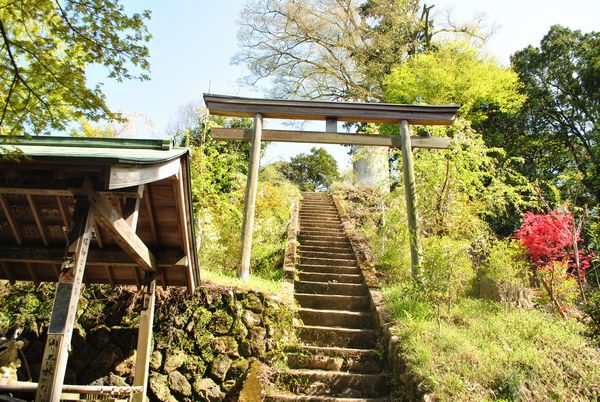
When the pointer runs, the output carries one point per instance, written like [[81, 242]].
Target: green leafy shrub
[[447, 270]]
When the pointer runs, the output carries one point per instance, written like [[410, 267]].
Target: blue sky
[[193, 42]]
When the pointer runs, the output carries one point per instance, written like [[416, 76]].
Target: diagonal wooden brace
[[122, 232]]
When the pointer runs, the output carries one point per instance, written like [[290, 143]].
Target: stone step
[[322, 232], [280, 396], [337, 336], [308, 242], [334, 383], [310, 204], [326, 237], [327, 254], [344, 289], [319, 215], [336, 318], [325, 277], [346, 249], [306, 224], [365, 361], [337, 302], [330, 211], [336, 262], [328, 269]]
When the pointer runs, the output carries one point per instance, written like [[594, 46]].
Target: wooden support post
[[144, 341], [250, 200], [411, 199], [60, 329]]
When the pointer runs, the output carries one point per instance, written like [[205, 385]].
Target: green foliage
[[446, 271], [487, 351], [455, 73], [505, 263], [559, 123], [311, 172], [592, 309], [46, 47]]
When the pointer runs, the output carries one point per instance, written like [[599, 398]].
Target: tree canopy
[[311, 172], [561, 118], [45, 48], [335, 49]]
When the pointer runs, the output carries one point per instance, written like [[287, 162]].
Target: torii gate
[[331, 112]]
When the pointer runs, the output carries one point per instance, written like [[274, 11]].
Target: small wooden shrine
[[91, 210]]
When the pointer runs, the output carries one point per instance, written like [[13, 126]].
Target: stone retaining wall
[[204, 344]]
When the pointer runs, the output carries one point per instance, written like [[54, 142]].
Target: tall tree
[[45, 48], [311, 172], [561, 118]]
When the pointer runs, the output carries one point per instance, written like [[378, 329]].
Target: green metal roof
[[113, 150]]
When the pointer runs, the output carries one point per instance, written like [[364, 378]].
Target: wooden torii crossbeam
[[331, 112], [123, 208]]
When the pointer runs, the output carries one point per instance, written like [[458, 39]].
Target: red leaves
[[551, 238]]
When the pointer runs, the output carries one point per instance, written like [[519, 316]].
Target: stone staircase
[[337, 360]]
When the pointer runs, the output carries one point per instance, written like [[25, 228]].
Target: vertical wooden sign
[[64, 310]]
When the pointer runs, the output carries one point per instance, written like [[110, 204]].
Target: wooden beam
[[11, 220], [38, 219], [250, 200], [410, 192], [150, 211], [319, 110], [32, 274], [166, 257], [131, 209], [7, 272], [331, 125], [121, 176], [144, 341], [109, 274], [122, 233], [393, 141], [60, 329]]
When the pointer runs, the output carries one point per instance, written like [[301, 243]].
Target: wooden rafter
[[38, 219], [62, 211], [11, 220], [32, 274]]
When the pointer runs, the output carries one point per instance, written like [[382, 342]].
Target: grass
[[483, 350], [267, 286]]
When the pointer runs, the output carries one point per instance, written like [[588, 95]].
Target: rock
[[220, 366], [200, 319], [238, 368], [227, 385], [207, 389], [252, 302], [173, 360], [159, 385], [124, 337], [125, 368], [350, 393], [111, 380], [78, 337], [251, 319], [99, 336], [156, 359], [179, 385], [220, 323], [239, 330], [195, 366], [317, 388], [102, 364], [226, 345]]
